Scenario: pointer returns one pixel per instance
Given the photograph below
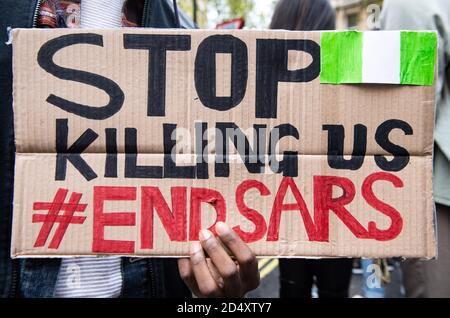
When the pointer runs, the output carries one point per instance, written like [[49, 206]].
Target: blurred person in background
[[430, 278], [303, 15], [297, 276]]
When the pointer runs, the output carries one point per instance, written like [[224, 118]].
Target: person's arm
[[220, 275]]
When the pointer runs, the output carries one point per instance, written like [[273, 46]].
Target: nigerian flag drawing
[[379, 57]]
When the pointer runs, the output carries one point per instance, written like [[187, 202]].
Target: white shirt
[[90, 276]]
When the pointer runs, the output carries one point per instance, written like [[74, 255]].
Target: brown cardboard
[[307, 106]]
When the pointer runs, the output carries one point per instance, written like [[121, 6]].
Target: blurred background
[[350, 14]]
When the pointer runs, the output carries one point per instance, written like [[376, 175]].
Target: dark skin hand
[[219, 275]]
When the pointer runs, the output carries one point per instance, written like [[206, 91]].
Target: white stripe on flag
[[381, 57]]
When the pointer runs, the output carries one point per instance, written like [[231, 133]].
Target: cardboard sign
[[130, 141]]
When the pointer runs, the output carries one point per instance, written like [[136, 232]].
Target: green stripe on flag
[[418, 58], [341, 57]]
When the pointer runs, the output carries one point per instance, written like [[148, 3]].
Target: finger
[[186, 273], [223, 262], [248, 265], [215, 273], [205, 282]]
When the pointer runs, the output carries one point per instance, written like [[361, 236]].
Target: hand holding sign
[[220, 276]]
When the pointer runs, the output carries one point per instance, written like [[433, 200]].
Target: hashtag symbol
[[53, 216]]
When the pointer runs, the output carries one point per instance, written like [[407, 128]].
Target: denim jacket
[[144, 277]]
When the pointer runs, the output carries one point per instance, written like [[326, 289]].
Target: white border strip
[[381, 57]]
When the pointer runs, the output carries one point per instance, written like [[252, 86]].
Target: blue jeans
[[142, 278]]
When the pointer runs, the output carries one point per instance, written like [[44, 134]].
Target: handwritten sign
[[131, 141]]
